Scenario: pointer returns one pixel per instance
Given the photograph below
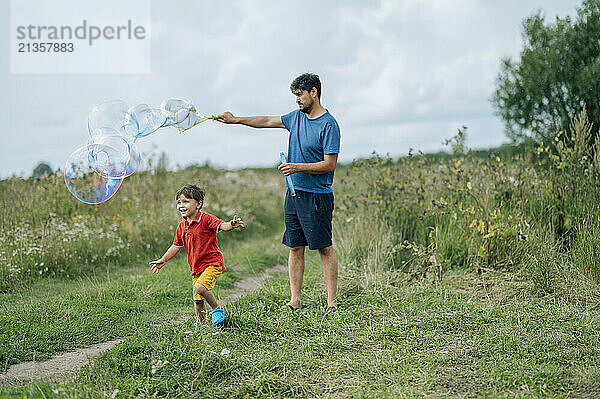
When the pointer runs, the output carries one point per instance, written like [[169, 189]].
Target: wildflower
[[225, 352], [158, 365]]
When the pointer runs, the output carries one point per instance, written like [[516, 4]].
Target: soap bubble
[[116, 150], [186, 119], [113, 115], [109, 114], [94, 173], [129, 130], [84, 177], [172, 105], [179, 113], [148, 119]]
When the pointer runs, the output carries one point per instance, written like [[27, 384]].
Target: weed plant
[[534, 212]]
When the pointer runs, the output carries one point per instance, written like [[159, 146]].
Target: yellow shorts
[[207, 278]]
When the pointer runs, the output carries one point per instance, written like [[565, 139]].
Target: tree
[[558, 73], [40, 170]]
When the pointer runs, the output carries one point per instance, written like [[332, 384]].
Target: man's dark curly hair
[[307, 81], [191, 191]]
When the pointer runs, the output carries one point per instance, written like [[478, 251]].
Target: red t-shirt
[[199, 239]]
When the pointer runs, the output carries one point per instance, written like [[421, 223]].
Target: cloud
[[396, 75]]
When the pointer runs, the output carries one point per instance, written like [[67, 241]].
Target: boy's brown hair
[[191, 191]]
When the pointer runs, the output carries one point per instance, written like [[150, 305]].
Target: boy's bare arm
[[252, 121], [158, 264], [232, 224]]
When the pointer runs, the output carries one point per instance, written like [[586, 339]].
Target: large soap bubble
[[124, 159], [94, 173], [84, 176], [148, 119], [107, 114], [113, 115]]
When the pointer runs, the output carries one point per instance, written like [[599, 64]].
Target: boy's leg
[[207, 294], [205, 282], [296, 270], [199, 309], [329, 264]]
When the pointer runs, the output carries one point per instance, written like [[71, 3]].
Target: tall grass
[[47, 232], [535, 212]]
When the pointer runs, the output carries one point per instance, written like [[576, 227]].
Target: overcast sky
[[397, 74]]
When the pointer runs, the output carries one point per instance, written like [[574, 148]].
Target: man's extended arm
[[315, 168], [252, 121]]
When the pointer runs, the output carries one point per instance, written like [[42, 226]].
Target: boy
[[197, 234]]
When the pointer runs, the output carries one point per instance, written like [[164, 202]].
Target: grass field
[[472, 336], [55, 316], [463, 275]]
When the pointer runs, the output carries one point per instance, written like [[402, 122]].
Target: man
[[314, 145]]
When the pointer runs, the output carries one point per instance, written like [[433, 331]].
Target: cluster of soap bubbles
[[94, 172]]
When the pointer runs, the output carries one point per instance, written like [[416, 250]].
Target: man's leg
[[329, 264], [296, 268], [199, 309]]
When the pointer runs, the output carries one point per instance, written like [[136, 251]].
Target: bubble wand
[[288, 178], [194, 119]]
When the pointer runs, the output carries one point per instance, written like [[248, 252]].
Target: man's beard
[[307, 109]]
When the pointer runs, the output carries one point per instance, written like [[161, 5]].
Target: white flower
[[158, 365]]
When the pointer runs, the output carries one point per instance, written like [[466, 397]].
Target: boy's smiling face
[[188, 207]]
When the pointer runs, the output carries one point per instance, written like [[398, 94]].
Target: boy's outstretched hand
[[236, 222], [156, 265], [232, 224]]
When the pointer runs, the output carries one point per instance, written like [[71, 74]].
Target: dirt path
[[62, 366]]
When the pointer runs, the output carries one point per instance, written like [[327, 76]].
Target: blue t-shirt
[[310, 140]]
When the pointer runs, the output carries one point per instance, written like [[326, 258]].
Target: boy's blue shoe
[[218, 315]]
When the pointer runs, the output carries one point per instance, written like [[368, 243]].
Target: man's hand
[[157, 265], [314, 168], [227, 117], [236, 222], [289, 168]]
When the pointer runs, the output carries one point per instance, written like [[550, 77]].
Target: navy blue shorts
[[308, 219]]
